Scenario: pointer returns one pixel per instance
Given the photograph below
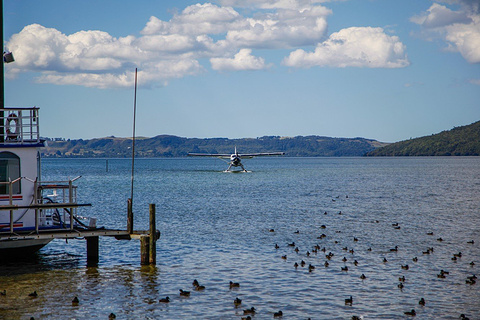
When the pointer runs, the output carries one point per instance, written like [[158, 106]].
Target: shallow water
[[216, 228]]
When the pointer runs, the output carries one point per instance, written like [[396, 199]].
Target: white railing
[[19, 125]]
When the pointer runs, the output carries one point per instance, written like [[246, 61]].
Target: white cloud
[[243, 60], [353, 47], [459, 29]]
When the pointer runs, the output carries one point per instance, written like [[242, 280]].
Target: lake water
[[216, 228]]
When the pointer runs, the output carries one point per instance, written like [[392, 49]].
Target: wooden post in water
[[144, 250], [129, 216], [92, 251], [153, 236]]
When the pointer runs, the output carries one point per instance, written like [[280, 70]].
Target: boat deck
[[73, 234]]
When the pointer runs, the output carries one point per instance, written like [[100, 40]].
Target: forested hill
[[460, 141], [173, 146]]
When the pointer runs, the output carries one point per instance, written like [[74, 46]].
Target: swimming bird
[[323, 226], [415, 259], [184, 293], [200, 288], [34, 294], [249, 311], [394, 249], [75, 301], [405, 267], [464, 317], [440, 239], [411, 313], [112, 316], [234, 285], [284, 257], [311, 268], [302, 263], [401, 279], [164, 300], [295, 265], [344, 259], [458, 255], [278, 314], [355, 262], [400, 286], [277, 246], [471, 242], [430, 233], [291, 244], [297, 232], [195, 283], [326, 264], [385, 260], [349, 300], [355, 239], [363, 277], [237, 302], [472, 263], [345, 268], [247, 318], [296, 249], [421, 302], [272, 230]]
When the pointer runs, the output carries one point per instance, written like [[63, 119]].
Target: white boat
[[28, 205]]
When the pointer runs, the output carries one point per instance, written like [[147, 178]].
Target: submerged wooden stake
[[153, 236], [144, 250], [92, 251]]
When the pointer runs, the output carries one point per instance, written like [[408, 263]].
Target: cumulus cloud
[[353, 47], [459, 29], [243, 60], [220, 34]]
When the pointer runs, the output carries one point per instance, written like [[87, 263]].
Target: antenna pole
[[130, 200], [133, 136]]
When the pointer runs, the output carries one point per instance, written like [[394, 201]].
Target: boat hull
[[18, 248]]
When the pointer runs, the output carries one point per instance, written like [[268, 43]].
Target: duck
[[200, 288], [295, 265], [400, 286], [112, 316], [355, 262], [237, 302], [323, 226], [234, 284], [326, 264], [195, 283], [369, 249], [472, 263], [184, 293], [302, 263], [164, 300], [440, 239], [385, 260], [411, 313], [291, 244], [311, 268], [284, 257], [344, 259], [430, 233], [34, 294], [352, 251], [345, 268], [363, 277], [278, 314], [415, 259], [249, 311], [464, 317], [349, 300], [75, 301], [421, 302], [458, 255], [394, 249], [277, 246], [272, 230], [308, 254], [296, 249], [471, 242], [247, 318], [470, 281], [401, 279], [405, 267], [297, 232]]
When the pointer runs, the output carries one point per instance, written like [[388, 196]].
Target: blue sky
[[381, 69]]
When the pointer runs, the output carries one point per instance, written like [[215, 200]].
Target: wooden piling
[[129, 216], [144, 250], [153, 236], [92, 251]]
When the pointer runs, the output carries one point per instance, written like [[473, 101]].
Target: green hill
[[173, 146], [460, 141]]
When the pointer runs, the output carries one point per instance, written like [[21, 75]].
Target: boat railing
[[51, 199], [19, 125]]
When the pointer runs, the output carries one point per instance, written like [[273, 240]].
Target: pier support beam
[[92, 251], [144, 250], [153, 236], [129, 216]]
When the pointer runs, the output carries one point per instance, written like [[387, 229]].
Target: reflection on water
[[217, 228]]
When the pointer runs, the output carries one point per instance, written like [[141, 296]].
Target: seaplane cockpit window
[[9, 171]]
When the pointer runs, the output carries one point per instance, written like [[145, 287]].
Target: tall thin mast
[[133, 136]]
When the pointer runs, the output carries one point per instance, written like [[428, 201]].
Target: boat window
[[9, 171]]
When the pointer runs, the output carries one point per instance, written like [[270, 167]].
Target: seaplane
[[235, 159]]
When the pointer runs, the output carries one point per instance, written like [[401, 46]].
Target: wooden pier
[[92, 235]]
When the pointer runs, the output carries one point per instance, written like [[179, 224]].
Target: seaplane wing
[[252, 155], [214, 155]]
